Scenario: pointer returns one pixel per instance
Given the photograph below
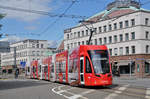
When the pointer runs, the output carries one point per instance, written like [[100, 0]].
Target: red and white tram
[[87, 65]]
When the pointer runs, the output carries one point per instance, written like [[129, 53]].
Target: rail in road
[[113, 91]]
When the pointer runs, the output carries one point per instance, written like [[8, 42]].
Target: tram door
[[82, 70]]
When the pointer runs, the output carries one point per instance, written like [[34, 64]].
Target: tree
[[1, 17]]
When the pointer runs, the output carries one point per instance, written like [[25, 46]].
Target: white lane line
[[113, 95], [86, 92], [74, 96], [148, 93]]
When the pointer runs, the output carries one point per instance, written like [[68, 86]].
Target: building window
[[126, 37], [75, 35], [115, 38], [115, 51], [95, 30], [110, 27], [132, 22], [33, 53], [86, 32], [95, 41], [67, 36], [127, 50], [38, 53], [42, 45], [121, 25], [100, 41], [133, 49], [105, 40], [82, 33], [33, 46], [67, 46], [147, 48], [87, 42], [147, 67], [121, 50], [121, 37], [133, 35], [71, 36], [146, 34], [115, 26], [71, 45], [78, 43], [110, 39], [105, 28], [82, 42], [126, 23], [146, 21], [100, 29], [78, 34], [110, 52], [37, 46]]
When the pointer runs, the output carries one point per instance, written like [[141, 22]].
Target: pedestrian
[[16, 73]]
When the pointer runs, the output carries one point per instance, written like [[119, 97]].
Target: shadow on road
[[99, 87], [4, 85]]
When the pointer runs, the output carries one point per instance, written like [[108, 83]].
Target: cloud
[[39, 5]]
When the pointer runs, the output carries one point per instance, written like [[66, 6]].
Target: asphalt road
[[34, 89]]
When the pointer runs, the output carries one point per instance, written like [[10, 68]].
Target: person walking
[[16, 73]]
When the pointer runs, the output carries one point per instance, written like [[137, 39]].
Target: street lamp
[[130, 66]]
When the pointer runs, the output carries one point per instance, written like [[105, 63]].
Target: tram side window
[[60, 67], [52, 68], [88, 66]]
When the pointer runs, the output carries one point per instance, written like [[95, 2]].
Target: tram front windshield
[[100, 61]]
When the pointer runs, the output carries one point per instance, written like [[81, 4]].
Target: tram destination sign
[[4, 46]]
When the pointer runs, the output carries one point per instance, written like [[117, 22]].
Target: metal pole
[[90, 37], [14, 57], [130, 69]]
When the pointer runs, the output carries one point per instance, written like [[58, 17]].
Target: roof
[[114, 12]]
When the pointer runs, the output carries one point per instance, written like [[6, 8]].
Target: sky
[[27, 25]]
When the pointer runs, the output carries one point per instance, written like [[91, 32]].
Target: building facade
[[23, 52], [125, 28]]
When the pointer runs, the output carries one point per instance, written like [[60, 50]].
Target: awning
[[123, 62]]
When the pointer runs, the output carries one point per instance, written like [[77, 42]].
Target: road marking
[[74, 96], [113, 95], [148, 93]]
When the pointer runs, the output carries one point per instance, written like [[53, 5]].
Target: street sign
[[4, 46], [23, 64]]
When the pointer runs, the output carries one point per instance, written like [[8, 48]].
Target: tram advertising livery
[[87, 65]]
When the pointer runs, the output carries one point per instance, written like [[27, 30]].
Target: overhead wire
[[50, 25], [55, 21], [40, 12]]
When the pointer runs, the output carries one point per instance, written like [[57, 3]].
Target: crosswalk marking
[[148, 93], [113, 95]]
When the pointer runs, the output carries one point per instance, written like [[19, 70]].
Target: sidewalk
[[11, 76], [141, 82]]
